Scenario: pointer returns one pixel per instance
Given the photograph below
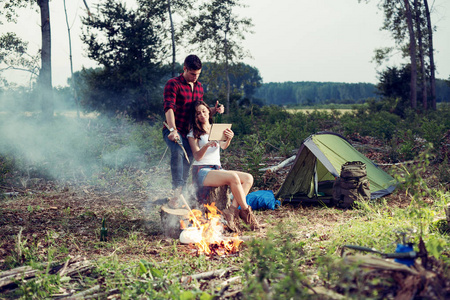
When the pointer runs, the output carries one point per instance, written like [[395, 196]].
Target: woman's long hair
[[196, 126]]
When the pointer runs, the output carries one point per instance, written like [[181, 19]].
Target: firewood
[[230, 280], [83, 294], [10, 276], [74, 266], [207, 275]]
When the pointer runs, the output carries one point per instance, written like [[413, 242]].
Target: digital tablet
[[216, 132]]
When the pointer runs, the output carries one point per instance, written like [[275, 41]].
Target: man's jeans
[[179, 166]]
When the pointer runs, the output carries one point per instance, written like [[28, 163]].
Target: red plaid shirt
[[179, 96]]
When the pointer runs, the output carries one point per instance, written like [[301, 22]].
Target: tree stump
[[220, 196], [171, 221]]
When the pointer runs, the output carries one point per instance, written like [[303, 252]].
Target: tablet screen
[[216, 132]]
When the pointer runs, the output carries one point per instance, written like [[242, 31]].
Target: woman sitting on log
[[207, 170]]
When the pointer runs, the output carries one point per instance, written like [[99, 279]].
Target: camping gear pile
[[352, 185]]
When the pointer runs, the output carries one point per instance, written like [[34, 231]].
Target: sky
[[293, 40]]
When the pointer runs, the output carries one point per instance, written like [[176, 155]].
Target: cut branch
[[207, 275], [279, 166]]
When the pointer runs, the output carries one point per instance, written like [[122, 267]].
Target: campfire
[[205, 231]]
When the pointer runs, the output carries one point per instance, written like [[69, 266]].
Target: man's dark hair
[[192, 62]]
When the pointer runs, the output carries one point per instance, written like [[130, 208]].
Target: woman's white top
[[212, 154]]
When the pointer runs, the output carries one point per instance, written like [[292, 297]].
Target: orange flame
[[212, 241]]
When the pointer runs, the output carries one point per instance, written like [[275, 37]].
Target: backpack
[[352, 185]]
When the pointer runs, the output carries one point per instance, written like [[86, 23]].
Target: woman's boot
[[249, 218], [231, 215]]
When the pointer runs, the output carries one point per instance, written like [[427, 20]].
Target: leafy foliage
[[244, 81], [128, 44], [219, 32]]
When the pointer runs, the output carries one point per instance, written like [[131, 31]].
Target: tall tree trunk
[[412, 54], [227, 73], [75, 97], [45, 75], [423, 74], [431, 56], [172, 32]]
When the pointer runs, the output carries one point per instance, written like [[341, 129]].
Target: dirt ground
[[70, 216]]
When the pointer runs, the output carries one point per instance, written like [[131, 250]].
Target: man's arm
[[170, 119], [218, 108]]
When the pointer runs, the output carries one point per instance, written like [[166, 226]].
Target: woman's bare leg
[[246, 181], [216, 178]]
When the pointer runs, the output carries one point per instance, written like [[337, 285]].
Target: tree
[[182, 7], [410, 25], [217, 33], [45, 73], [244, 80], [422, 73], [14, 55], [128, 44], [412, 53], [431, 55], [394, 87], [168, 9]]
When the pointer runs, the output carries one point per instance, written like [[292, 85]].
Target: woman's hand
[[229, 134], [210, 144]]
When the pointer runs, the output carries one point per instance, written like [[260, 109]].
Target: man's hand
[[220, 109], [174, 136]]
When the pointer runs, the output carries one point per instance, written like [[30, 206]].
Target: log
[[230, 280], [207, 275], [279, 166], [83, 294]]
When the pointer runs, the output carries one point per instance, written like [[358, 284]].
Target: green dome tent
[[318, 163]]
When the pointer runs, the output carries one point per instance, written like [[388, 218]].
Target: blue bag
[[262, 200]]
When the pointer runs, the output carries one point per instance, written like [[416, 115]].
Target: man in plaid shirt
[[180, 94]]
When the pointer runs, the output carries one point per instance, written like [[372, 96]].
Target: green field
[[310, 110]]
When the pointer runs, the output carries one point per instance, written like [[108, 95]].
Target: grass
[[329, 108], [293, 256], [310, 110]]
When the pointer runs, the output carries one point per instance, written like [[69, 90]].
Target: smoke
[[66, 147]]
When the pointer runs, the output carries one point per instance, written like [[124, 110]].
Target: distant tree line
[[394, 84], [312, 93]]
